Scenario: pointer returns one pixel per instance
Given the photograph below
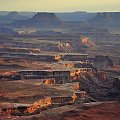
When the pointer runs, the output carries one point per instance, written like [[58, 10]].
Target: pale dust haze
[[60, 5]]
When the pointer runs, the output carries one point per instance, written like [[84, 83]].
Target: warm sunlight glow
[[60, 5]]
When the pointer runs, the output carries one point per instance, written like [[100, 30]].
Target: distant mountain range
[[42, 19], [68, 16], [39, 20], [74, 22]]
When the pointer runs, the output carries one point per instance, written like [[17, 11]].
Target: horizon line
[[58, 11]]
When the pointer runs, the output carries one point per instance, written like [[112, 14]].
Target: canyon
[[52, 68]]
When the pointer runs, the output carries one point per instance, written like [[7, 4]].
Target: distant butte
[[42, 19], [107, 16], [44, 16]]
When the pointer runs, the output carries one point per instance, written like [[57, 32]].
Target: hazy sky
[[60, 5]]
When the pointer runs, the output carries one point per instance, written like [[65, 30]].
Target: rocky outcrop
[[115, 90], [44, 104], [102, 62]]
